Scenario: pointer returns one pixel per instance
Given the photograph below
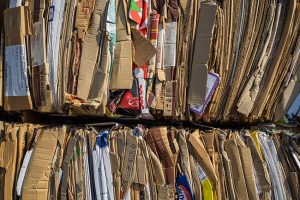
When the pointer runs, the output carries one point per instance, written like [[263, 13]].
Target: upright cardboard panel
[[18, 24], [84, 11], [122, 65], [8, 155], [90, 51], [203, 40], [36, 181]]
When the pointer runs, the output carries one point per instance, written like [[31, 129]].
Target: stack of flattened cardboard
[[260, 61], [211, 60], [147, 163]]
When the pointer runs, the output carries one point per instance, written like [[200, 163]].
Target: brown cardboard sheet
[[90, 52], [17, 24], [84, 11], [203, 39], [122, 65], [36, 181], [41, 88], [8, 159], [143, 48], [203, 157]]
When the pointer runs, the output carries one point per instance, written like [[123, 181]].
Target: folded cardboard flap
[[203, 157], [143, 48], [17, 24]]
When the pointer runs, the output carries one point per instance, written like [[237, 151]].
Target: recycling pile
[[215, 61], [120, 162]]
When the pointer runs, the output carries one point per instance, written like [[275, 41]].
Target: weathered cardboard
[[212, 82], [122, 65], [8, 155], [143, 48], [84, 11], [262, 100], [99, 88], [90, 51], [168, 99], [129, 166], [40, 84], [202, 157], [169, 45], [38, 45], [18, 24], [36, 181], [41, 88], [202, 46]]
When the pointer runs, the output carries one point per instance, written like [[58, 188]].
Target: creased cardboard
[[90, 52], [212, 83], [122, 66], [41, 88], [84, 11], [143, 48], [40, 84], [266, 89], [203, 157], [203, 40], [99, 88], [36, 181], [17, 24], [121, 77], [129, 164], [38, 46], [8, 159]]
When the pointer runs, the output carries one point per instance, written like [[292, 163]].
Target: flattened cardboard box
[[41, 92], [202, 46], [90, 51], [17, 24], [36, 181]]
